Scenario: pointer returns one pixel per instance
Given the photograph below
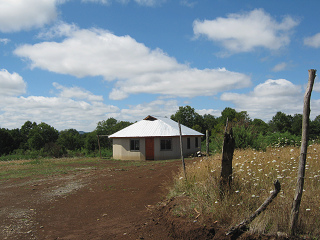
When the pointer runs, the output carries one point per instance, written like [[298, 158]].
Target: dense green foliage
[[42, 140], [281, 130]]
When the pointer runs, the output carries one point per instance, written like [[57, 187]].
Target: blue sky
[[73, 63]]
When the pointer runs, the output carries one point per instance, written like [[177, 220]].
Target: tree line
[[41, 139]]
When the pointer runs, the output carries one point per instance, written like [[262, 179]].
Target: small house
[[154, 138]]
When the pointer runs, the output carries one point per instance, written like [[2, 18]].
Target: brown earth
[[113, 202]]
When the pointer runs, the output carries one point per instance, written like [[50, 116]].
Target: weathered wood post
[[181, 150], [242, 227], [227, 155], [303, 154], [207, 142]]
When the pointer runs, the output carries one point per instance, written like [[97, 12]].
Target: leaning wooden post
[[227, 155], [207, 142], [303, 154], [181, 150], [242, 227]]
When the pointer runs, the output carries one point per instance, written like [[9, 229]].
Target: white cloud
[[268, 98], [213, 112], [97, 52], [247, 31], [106, 2], [161, 108], [71, 108], [188, 3], [313, 41], [148, 3], [184, 83], [279, 67], [135, 67], [77, 93], [11, 84], [16, 15], [60, 29], [4, 40]]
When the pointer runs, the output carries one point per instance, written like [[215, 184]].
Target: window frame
[[188, 143], [167, 141], [134, 145]]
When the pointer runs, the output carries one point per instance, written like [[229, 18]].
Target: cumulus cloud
[[70, 108], [183, 83], [77, 93], [97, 52], [313, 41], [11, 84], [268, 98], [16, 15], [246, 31], [160, 107], [135, 67]]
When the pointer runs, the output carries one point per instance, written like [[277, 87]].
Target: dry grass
[[253, 175]]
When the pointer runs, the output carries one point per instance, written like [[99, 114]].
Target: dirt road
[[109, 203]]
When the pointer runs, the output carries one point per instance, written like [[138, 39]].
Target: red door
[[149, 148]]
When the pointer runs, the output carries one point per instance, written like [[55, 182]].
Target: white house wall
[[121, 148]]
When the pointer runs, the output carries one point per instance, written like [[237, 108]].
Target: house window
[[134, 145], [197, 142], [188, 143], [165, 144]]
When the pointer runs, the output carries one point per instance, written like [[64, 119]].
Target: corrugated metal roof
[[160, 127]]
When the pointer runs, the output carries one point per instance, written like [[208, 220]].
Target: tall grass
[[253, 175]]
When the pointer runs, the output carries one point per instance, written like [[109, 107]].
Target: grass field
[[253, 175], [50, 166]]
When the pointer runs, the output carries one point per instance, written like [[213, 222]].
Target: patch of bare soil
[[109, 203]]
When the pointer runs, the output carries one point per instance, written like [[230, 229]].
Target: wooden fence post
[[242, 227], [227, 155], [181, 150], [303, 154]]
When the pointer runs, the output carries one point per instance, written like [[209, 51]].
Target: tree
[[17, 137], [108, 127], [188, 117], [260, 126], [90, 141], [296, 126], [70, 139], [229, 113], [315, 128], [49, 134], [6, 142], [281, 123], [209, 121], [36, 136], [243, 118], [35, 140], [25, 133]]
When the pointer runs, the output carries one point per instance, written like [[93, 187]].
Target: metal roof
[[155, 127]]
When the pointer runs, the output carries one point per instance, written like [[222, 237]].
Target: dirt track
[[112, 203]]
